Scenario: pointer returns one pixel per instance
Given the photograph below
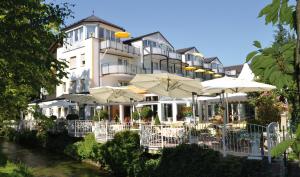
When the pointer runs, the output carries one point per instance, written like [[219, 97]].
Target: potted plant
[[146, 114], [187, 112], [101, 115], [156, 120]]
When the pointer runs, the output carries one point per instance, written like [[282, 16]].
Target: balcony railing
[[108, 44], [175, 55], [110, 68], [160, 51]]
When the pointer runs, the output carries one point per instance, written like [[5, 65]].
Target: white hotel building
[[96, 58]]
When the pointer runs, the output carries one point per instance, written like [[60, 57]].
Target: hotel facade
[[96, 58]]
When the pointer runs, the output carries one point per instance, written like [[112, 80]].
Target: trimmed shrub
[[146, 113], [156, 120], [122, 154], [135, 115], [72, 117]]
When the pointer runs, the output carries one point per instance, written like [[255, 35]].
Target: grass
[[15, 170]]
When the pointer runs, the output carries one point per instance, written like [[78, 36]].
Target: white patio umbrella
[[165, 84], [169, 85], [107, 95], [233, 85]]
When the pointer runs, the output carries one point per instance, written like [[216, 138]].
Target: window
[[214, 65], [72, 62], [64, 86], [90, 31], [101, 33], [82, 58], [59, 113], [155, 65], [76, 35], [73, 86], [122, 61], [82, 85], [70, 37], [80, 35], [65, 112]]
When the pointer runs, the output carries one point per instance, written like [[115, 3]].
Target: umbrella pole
[[224, 125], [193, 104]]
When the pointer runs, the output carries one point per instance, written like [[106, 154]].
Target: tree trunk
[[297, 60]]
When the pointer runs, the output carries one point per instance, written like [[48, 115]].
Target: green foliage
[[146, 113], [275, 64], [135, 115], [122, 153], [85, 148], [187, 111], [101, 115], [28, 29], [72, 117], [156, 120], [196, 161], [279, 11], [15, 170], [268, 108], [293, 143]]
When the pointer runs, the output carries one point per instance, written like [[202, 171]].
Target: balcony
[[119, 48], [175, 55], [110, 68]]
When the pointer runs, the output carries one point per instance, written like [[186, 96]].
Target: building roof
[[184, 50], [210, 59], [93, 18], [145, 35], [237, 68]]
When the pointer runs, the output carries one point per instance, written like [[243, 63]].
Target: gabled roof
[[237, 68], [184, 50], [93, 18], [210, 59], [146, 35]]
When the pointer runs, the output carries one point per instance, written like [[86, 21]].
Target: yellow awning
[[209, 72], [200, 71], [217, 75], [122, 34], [189, 68]]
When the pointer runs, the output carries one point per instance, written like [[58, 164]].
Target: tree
[[293, 143], [27, 31], [281, 12], [275, 64]]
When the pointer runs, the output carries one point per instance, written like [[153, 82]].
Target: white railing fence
[[79, 128], [105, 131], [254, 141]]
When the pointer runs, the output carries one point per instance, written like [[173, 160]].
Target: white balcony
[[174, 55], [110, 68], [119, 48]]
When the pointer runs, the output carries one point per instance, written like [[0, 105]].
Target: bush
[[86, 149], [72, 117], [135, 115], [196, 161], [187, 111], [156, 120], [122, 154], [53, 117], [146, 113], [101, 115]]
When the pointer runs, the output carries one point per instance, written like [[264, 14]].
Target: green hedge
[[197, 161]]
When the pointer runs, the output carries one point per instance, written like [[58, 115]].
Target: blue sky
[[216, 27]]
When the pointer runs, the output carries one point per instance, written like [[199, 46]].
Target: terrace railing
[[254, 141]]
